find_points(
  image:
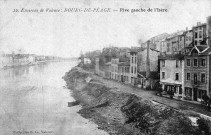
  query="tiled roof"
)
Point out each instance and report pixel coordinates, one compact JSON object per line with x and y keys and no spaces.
{"x":201,"y":48}
{"x":207,"y":51}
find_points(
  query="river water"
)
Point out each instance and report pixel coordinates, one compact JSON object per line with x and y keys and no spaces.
{"x":33,"y":100}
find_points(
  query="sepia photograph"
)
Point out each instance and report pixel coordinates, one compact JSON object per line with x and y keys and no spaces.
{"x":105,"y":67}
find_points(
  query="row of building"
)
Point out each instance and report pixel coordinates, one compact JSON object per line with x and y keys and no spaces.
{"x":180,"y":62}
{"x":20,"y":59}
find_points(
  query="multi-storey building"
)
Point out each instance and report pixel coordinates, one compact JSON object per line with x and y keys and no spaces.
{"x":124,"y":52}
{"x":197,"y":63}
{"x":188,"y":41}
{"x":173,"y":44}
{"x":181,"y":41}
{"x":124,"y":71}
{"x":197,"y":73}
{"x":155,"y":42}
{"x":114,"y":68}
{"x":199,"y":33}
{"x":133,"y":66}
{"x":163,"y":46}
{"x":171,"y":74}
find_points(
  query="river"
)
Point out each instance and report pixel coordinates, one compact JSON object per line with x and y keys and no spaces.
{"x":33,"y":100}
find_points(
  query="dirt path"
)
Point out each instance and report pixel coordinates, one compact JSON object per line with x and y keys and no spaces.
{"x":181,"y":105}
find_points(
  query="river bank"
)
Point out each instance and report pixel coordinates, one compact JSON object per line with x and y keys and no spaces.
{"x":125,"y":113}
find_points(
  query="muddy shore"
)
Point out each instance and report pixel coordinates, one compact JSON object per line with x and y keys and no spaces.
{"x":127,"y":114}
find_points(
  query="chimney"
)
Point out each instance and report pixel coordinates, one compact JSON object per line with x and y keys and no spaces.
{"x":148,"y":60}
{"x":198,"y":23}
{"x":186,"y":29}
{"x":208,"y":31}
{"x":97,"y":68}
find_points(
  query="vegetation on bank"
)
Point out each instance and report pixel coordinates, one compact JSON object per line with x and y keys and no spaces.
{"x":121,"y":113}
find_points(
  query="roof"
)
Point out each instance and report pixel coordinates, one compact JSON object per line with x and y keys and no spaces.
{"x":137,"y":49}
{"x":190,"y":45}
{"x":205,"y":50}
{"x":108,"y":63}
{"x":175,"y":34}
{"x":159,"y":37}
{"x":201,"y":48}
{"x":124,"y":63}
{"x":142,"y":74}
{"x":154,"y":50}
{"x":199,"y":25}
{"x":133,"y":51}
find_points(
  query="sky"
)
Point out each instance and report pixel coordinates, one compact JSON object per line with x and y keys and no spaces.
{"x":66,"y":34}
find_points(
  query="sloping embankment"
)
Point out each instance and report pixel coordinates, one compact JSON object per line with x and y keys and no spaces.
{"x":121,"y":113}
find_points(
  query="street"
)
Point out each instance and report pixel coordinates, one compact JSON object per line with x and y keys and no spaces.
{"x":146,"y":94}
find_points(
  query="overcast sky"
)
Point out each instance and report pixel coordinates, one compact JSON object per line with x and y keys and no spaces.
{"x":66,"y":34}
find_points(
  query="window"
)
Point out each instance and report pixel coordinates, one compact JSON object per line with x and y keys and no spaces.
{"x":177,"y":76}
{"x":163,"y":63}
{"x":195,"y":62}
{"x":135,"y":70}
{"x":177,"y":63}
{"x":132,"y":59}
{"x":201,"y":93}
{"x":135,"y":59}
{"x":200,"y":34}
{"x":186,"y":38}
{"x":196,"y":34}
{"x":203,"y":62}
{"x":168,"y":47}
{"x":195,"y":78}
{"x":163,"y":75}
{"x":203,"y":78}
{"x":188,"y":62}
{"x":180,"y":90}
{"x":195,"y":42}
{"x":131,"y":69}
{"x":188,"y":76}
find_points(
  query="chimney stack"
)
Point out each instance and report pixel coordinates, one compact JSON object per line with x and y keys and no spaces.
{"x":198,"y":23}
{"x":208,"y":31}
{"x":186,"y":28}
{"x":148,"y":60}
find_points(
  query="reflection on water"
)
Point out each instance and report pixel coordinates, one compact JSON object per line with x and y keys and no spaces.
{"x":33,"y":99}
{"x":23,"y":71}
